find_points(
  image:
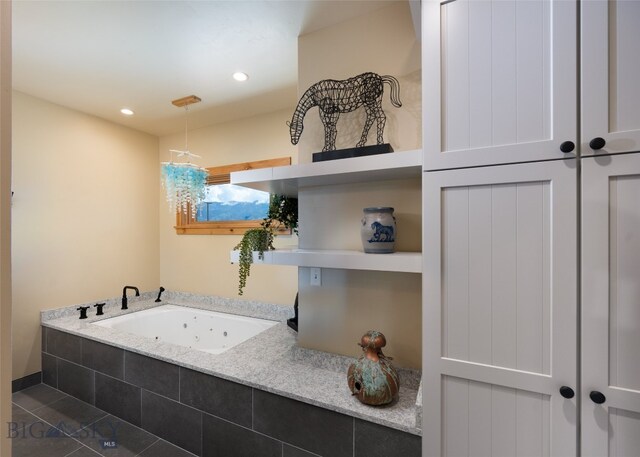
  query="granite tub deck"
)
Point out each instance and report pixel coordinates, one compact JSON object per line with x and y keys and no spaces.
{"x":271,"y":361}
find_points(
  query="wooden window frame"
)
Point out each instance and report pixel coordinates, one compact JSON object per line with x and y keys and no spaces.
{"x":187,"y":225}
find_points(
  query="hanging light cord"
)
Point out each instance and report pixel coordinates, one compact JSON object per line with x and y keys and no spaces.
{"x":186,"y":151}
{"x":186,"y":131}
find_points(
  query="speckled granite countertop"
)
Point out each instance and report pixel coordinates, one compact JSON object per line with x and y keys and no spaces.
{"x":270,"y":361}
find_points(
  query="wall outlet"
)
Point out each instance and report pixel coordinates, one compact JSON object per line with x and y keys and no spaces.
{"x":316,"y":277}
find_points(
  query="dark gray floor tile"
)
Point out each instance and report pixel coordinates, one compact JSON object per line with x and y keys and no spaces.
{"x":164,"y":449}
{"x":19,"y":419}
{"x":290,"y":451}
{"x":64,"y":345}
{"x":37,"y":396}
{"x":29,"y":426}
{"x":222,"y":398}
{"x":172,"y":421}
{"x":103,"y":358}
{"x":115,"y":438}
{"x":224,"y":439}
{"x":76,"y":380}
{"x":38,"y":443}
{"x":44,"y":447}
{"x":49,"y":370}
{"x":151,"y":374}
{"x":373,"y":440}
{"x":69,"y":414}
{"x":84,"y":452}
{"x":118,"y":398}
{"x":305,"y":426}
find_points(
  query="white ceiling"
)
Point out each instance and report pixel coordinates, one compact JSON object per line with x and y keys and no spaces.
{"x":100,"y":56}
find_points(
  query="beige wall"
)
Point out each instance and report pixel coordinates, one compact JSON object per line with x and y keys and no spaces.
{"x":5,"y":223}
{"x":334,"y":316}
{"x":85,"y":215}
{"x":200,"y":263}
{"x":350,"y":302}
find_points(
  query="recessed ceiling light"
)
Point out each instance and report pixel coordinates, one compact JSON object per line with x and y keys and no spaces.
{"x":126,"y":112}
{"x":239,"y":76}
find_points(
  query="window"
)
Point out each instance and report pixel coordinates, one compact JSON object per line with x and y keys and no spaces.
{"x":228,"y":202}
{"x":228,"y":209}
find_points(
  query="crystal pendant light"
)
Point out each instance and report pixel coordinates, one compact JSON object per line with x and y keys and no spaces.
{"x":184,"y":182}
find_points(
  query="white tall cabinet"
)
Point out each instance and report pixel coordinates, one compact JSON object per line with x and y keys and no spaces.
{"x":531,"y":315}
{"x":500,"y":310}
{"x":610,"y":72}
{"x":499,"y":82}
{"x":611,"y":305}
{"x":610,"y":228}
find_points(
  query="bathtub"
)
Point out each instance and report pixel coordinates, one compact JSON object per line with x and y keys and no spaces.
{"x":207,"y":331}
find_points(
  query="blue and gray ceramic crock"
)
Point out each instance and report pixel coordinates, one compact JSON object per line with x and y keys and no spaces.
{"x":378,"y":231}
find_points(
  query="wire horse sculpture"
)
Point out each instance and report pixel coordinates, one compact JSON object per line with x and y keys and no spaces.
{"x":333,"y":97}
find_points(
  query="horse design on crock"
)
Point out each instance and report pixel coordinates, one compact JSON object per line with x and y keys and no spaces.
{"x":334,"y":97}
{"x":381,"y":233}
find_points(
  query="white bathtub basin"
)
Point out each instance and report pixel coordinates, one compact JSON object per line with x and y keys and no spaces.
{"x":207,"y":331}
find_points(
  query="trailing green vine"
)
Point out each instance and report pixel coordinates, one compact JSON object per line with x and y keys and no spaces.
{"x":282,"y":215}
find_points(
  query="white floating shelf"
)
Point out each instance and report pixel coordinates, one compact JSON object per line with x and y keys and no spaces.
{"x":404,"y":262}
{"x":287,"y":180}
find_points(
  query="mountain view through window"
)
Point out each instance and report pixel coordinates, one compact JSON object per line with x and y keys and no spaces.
{"x":226,"y":202}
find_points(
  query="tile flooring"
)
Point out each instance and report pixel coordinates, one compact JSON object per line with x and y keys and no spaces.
{"x":50,"y":423}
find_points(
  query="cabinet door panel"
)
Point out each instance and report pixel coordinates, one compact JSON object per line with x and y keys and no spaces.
{"x":626,"y":440}
{"x":500,"y":316}
{"x":610,"y":298}
{"x":610,"y":34}
{"x":484,"y":420}
{"x":496,"y":261}
{"x":499,"y":81}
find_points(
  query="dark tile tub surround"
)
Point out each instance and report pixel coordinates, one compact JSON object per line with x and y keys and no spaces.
{"x":265,"y":397}
{"x":154,"y":375}
{"x":290,"y":451}
{"x":173,"y":421}
{"x":217,"y":417}
{"x":103,"y":358}
{"x":368,"y":442}
{"x":211,"y":395}
{"x":118,"y":398}
{"x":308,"y":427}
{"x":64,"y":345}
{"x":50,"y":370}
{"x":224,"y":438}
{"x":76,"y":380}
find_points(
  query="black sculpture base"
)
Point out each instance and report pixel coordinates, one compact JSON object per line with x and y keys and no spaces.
{"x":352,"y":152}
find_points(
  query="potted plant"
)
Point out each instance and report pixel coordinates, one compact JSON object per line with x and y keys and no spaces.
{"x":282,"y":216}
